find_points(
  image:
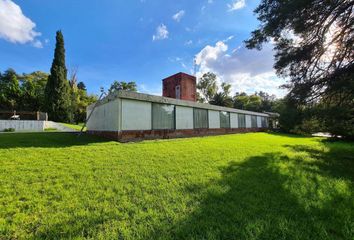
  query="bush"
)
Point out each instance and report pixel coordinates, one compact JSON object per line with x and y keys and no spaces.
{"x":9,"y":130}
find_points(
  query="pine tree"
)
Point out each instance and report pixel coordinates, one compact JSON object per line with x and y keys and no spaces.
{"x":57,"y":90}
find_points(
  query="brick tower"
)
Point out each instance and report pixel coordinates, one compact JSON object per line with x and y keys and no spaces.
{"x":180,"y":86}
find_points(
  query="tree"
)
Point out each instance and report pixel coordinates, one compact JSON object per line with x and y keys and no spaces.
{"x":57,"y":91}
{"x":223,"y":98}
{"x":10,"y":92}
{"x":207,"y":87}
{"x":314,"y":44}
{"x":127,"y":86}
{"x":249,"y":102}
{"x":81,"y":86}
{"x":267,"y":101}
{"x":33,"y":87}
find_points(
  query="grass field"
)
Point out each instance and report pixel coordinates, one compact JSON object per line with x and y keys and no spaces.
{"x":74,"y":126}
{"x":246,"y":186}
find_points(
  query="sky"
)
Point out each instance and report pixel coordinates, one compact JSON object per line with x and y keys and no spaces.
{"x":138,"y":40}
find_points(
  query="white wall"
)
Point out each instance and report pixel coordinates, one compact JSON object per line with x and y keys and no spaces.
{"x":22,"y":125}
{"x":259,"y":122}
{"x":105,"y":117}
{"x":248,"y":121}
{"x":184,"y":117}
{"x":136,"y":115}
{"x":233,"y":120}
{"x":214,"y":119}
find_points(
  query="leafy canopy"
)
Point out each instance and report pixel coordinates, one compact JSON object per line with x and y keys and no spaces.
{"x":314,"y":42}
{"x":127,"y":86}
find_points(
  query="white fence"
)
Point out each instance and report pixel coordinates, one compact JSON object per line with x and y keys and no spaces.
{"x":22,"y":125}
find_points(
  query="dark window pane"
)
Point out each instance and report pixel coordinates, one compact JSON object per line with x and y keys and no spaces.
{"x":200,"y":118}
{"x":224,"y":119}
{"x":163,"y":116}
{"x":241,"y":120}
{"x":264,"y":122}
{"x":254,"y":121}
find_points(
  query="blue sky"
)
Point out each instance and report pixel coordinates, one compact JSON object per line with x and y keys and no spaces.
{"x":138,"y":40}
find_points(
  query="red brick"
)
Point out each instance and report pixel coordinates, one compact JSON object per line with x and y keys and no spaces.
{"x":138,"y":135}
{"x":187,"y":85}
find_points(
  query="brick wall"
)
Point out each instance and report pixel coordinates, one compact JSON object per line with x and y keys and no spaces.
{"x":186,"y":83}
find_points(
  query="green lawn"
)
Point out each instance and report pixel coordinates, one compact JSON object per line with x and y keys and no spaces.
{"x":246,"y":186}
{"x":74,"y":126}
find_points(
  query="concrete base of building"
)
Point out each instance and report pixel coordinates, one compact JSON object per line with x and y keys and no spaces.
{"x":139,"y":135}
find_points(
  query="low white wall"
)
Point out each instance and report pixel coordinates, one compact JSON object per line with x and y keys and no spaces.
{"x":214,"y":119}
{"x":104,"y":117}
{"x":248,"y":121}
{"x":136,"y":115}
{"x":22,"y":125}
{"x":233,"y":120}
{"x":184,"y":117}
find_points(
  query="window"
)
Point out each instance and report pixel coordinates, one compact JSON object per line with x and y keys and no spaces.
{"x":264,"y":122}
{"x":200,"y":118}
{"x":241,"y":120}
{"x":253,"y":121}
{"x":224,"y":120}
{"x":163,"y":116}
{"x":178,"y":92}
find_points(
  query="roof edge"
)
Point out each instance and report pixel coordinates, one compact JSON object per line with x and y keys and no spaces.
{"x":164,"y":100}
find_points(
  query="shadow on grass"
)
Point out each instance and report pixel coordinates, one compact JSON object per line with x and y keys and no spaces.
{"x":257,"y":199}
{"x":271,"y":196}
{"x":46,"y":140}
{"x":333,"y":159}
{"x":288,"y":135}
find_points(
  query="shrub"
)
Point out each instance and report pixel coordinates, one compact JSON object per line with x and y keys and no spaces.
{"x":9,"y":130}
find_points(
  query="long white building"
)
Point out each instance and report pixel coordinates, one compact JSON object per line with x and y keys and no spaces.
{"x":126,"y":116}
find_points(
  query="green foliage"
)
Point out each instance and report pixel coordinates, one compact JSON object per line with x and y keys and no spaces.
{"x":57,"y":91}
{"x":240,"y":186}
{"x":207,"y":87}
{"x":258,"y":102}
{"x":32,"y":88}
{"x":336,"y":108}
{"x":9,"y":130}
{"x":81,"y":86}
{"x":290,"y":114}
{"x":10,"y":91}
{"x":223,"y":98}
{"x":127,"y":86}
{"x":314,"y":44}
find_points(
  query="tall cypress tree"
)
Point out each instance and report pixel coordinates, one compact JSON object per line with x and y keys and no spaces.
{"x":57,"y":92}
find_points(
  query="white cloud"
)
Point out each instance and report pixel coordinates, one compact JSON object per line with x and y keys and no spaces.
{"x":161,"y":33}
{"x":16,"y":27}
{"x":189,"y":42}
{"x":246,"y":70}
{"x":153,"y":90}
{"x":236,"y":5}
{"x":37,"y":44}
{"x":178,"y":16}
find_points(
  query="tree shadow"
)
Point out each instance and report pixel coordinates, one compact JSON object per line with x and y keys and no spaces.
{"x":46,"y":140}
{"x":262,"y":198}
{"x":334,"y":159}
{"x":288,"y":135}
